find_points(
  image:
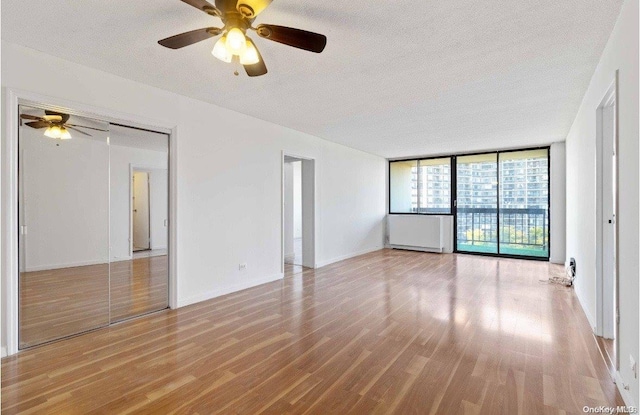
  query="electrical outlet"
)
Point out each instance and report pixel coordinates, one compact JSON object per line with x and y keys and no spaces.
{"x":632,"y":366}
{"x":242,"y":266}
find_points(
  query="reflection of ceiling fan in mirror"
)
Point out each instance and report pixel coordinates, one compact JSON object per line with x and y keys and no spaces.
{"x":234,"y":45}
{"x":56,"y":125}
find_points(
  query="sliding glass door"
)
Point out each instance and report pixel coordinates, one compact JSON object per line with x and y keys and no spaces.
{"x":524,"y":203}
{"x":502,"y":204}
{"x":477,"y":203}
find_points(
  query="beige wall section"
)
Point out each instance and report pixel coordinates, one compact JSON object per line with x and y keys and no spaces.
{"x":620,"y":54}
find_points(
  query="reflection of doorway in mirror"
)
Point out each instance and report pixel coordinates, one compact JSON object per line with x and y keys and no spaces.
{"x":148,"y":209}
{"x":141,"y":211}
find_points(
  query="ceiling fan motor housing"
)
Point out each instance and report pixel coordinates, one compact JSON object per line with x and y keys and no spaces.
{"x":246,"y":10}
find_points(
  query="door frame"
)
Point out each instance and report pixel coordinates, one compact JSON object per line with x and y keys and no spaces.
{"x":607,"y":298}
{"x":9,"y":259}
{"x":309,"y":227}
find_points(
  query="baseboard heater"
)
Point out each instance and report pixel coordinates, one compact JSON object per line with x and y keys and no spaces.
{"x":418,"y":232}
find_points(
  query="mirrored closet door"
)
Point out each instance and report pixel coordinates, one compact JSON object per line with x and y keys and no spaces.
{"x":64,"y":225}
{"x":139,"y":281}
{"x":93,"y":216}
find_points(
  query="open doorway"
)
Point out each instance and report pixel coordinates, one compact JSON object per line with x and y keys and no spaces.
{"x":607,"y":228}
{"x":298,"y":214}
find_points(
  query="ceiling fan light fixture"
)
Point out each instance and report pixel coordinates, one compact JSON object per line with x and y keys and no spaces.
{"x":236,"y":42}
{"x":65,"y":134}
{"x":220,"y":50}
{"x":235,"y":47}
{"x":250,"y":55}
{"x":53,"y":132}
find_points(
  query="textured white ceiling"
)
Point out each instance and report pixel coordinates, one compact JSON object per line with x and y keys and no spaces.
{"x":398,"y":78}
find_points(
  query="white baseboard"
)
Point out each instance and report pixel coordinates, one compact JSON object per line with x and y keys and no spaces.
{"x":626,"y":395}
{"x":122,"y":258}
{"x":69,"y":265}
{"x":3,"y":352}
{"x":324,"y":263}
{"x":592,"y":321}
{"x":417,"y":248}
{"x":289,"y":257}
{"x":243,"y":285}
{"x":557,"y":260}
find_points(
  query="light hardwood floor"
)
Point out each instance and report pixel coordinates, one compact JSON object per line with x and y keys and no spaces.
{"x":62,"y":302}
{"x":291,"y":270}
{"x":388,"y":332}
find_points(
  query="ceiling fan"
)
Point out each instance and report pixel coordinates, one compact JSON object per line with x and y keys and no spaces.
{"x":56,"y":125}
{"x":234,"y":45}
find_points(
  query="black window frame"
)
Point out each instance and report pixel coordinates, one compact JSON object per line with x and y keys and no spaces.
{"x":454,"y":195}
{"x":417,"y":160}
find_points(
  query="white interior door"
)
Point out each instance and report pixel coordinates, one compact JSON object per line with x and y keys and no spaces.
{"x":140,"y":203}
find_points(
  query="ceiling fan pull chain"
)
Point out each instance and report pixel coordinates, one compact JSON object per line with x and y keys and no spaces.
{"x":236,"y":65}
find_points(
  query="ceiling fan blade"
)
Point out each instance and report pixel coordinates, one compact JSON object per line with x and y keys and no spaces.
{"x":39,"y":124}
{"x":301,"y":39}
{"x":84,"y":126}
{"x":205,"y":6}
{"x":257,"y":69}
{"x":189,"y":38}
{"x":31,"y":117}
{"x":75,"y":129}
{"x":251,"y":8}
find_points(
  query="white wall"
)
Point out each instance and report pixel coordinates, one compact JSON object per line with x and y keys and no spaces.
{"x":292,"y":206}
{"x":288,"y":211}
{"x":620,"y":54}
{"x":297,"y":200}
{"x":558,"y":187}
{"x":65,"y":198}
{"x":228,"y":177}
{"x":155,"y":162}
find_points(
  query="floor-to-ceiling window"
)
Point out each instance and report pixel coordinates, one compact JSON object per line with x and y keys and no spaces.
{"x":524,"y":202}
{"x":477,"y":203}
{"x":500,"y":200}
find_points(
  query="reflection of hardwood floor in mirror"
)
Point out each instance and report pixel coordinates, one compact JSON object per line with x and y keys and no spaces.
{"x":63,"y":302}
{"x":139,"y":286}
{"x":390,"y":332}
